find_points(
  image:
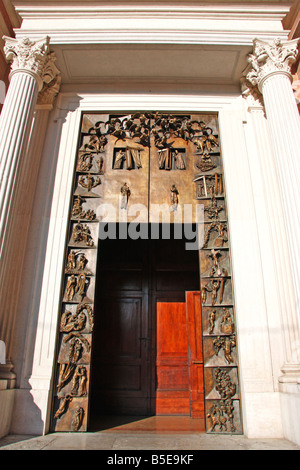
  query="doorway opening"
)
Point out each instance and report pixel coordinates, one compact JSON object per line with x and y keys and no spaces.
{"x":141,"y":357}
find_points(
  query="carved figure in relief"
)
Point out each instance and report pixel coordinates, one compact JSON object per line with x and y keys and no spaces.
{"x":164,"y":159}
{"x":179,"y":161}
{"x":79,"y":382}
{"x":229,"y":343}
{"x":81,"y":233}
{"x":227,"y":324}
{"x":77,"y":341}
{"x":221,"y":228}
{"x":212,"y":286}
{"x":114,"y":126}
{"x":144,"y":137}
{"x":76,"y":286}
{"x":64,"y":403}
{"x":221,"y":239}
{"x":174,"y":197}
{"x":183,"y":127}
{"x":161,"y":141}
{"x":215,"y":286}
{"x":217,"y":418}
{"x":204,"y":291}
{"x":82,"y":262}
{"x":81,"y":286}
{"x":227,"y":389}
{"x":78,"y":418}
{"x":76,"y":349}
{"x":76,"y":262}
{"x":133,"y":158}
{"x":85,"y":162}
{"x":226,"y":343}
{"x":89,"y":182}
{"x":213,"y":210}
{"x":100,"y":163}
{"x":71,"y":322}
{"x":65,"y":373}
{"x":211,"y":321}
{"x":134,"y":126}
{"x":97,"y":140}
{"x":77,"y":321}
{"x":66,"y":370}
{"x":96,"y":143}
{"x":77,"y":207}
{"x":70,"y":288}
{"x":120,"y":157}
{"x":125,"y":193}
{"x":228,"y":408}
{"x":71,"y":264}
{"x":78,"y":212}
{"x":205,"y":163}
{"x":205,"y":140}
{"x":216,"y":268}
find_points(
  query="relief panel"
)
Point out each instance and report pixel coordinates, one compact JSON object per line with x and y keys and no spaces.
{"x":151,"y":166}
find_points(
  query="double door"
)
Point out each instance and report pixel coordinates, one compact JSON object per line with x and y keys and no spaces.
{"x":144,"y":361}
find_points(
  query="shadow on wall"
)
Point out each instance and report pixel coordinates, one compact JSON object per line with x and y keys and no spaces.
{"x":27,"y":414}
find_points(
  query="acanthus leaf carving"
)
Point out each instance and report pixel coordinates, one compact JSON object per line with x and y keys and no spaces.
{"x":268,"y":58}
{"x":27,"y":55}
{"x":35,"y":58}
{"x":51,"y":81}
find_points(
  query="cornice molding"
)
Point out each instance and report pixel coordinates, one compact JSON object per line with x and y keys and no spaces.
{"x":135,"y":36}
{"x":26,"y":8}
{"x":152,"y":22}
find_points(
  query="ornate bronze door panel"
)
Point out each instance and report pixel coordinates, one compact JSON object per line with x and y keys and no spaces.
{"x":147,"y":168}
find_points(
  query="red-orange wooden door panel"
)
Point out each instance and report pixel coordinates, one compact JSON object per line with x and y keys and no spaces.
{"x":195,"y":354}
{"x":172,"y":374}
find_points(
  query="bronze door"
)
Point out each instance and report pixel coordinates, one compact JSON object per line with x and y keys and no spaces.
{"x":146,"y":168}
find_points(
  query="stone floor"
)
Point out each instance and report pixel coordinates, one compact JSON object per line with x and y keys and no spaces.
{"x":117,"y":442}
{"x":151,"y":434}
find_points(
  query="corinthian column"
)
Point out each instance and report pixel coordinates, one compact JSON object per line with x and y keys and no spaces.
{"x":28,"y":59}
{"x":31,"y":73}
{"x":270,"y":70}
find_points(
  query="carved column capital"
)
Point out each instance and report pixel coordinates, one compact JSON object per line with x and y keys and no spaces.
{"x":51,"y":81}
{"x":270,"y":58}
{"x":27,"y":56}
{"x":251,"y":94}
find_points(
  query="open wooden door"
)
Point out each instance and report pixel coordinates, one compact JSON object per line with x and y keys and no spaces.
{"x":179,"y":360}
{"x":195,"y":354}
{"x":172,"y":375}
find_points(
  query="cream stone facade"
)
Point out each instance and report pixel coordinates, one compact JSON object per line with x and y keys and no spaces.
{"x":233,"y":59}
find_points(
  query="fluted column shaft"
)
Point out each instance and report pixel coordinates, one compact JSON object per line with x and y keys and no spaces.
{"x":29,"y":63}
{"x":284,"y":124}
{"x":271,"y":72}
{"x":15,"y":121}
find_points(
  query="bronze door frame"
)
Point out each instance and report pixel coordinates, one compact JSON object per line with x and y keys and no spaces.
{"x":186,"y":159}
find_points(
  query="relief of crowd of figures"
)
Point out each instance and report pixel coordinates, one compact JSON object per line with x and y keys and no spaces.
{"x":222,"y":402}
